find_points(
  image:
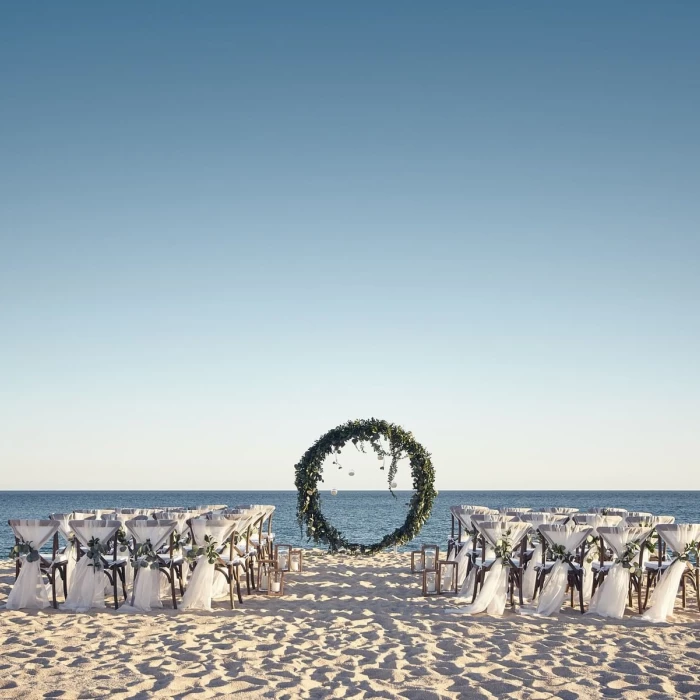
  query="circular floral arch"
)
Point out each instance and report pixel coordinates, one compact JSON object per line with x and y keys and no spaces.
{"x":388,"y":441}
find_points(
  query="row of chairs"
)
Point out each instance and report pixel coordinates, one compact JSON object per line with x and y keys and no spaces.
{"x":115,"y":548}
{"x":543,"y":554}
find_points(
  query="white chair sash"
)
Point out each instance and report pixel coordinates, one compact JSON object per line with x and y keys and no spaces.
{"x":595,"y":520}
{"x":536,"y":519}
{"x":29,"y":590}
{"x":663,"y":599}
{"x":492,"y":597}
{"x":70,"y":552}
{"x":146,"y":592}
{"x":88,"y":587}
{"x":200,"y":589}
{"x":463,"y":515}
{"x":570,"y":537}
{"x":609,"y":598}
{"x":560,"y":510}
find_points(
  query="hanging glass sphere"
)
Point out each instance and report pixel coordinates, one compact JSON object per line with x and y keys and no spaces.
{"x":351,"y":473}
{"x":393,"y":484}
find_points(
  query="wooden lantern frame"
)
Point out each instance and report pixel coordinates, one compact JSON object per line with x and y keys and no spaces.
{"x":428,"y":574}
{"x":426,"y":548}
{"x":297,"y":552}
{"x":441,"y":568}
{"x":417,"y":568}
{"x":265,"y":566}
{"x":276,"y":575}
{"x":288,"y":548}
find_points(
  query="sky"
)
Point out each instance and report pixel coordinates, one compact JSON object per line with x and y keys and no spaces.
{"x":228,"y":228}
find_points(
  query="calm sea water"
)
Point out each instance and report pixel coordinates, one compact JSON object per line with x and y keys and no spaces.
{"x":363,"y":516}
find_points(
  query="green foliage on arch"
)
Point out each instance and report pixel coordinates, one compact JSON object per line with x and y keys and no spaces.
{"x":399,"y":444}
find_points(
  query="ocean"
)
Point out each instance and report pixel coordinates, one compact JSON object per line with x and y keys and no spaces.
{"x":362,"y":516}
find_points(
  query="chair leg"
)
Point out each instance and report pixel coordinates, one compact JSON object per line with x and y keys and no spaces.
{"x":114,"y":589}
{"x":538,"y":585}
{"x":252,"y":572}
{"x":172,"y":585}
{"x":238,"y":585}
{"x":230,"y":588}
{"x":646,"y":593}
{"x":53,"y":588}
{"x":683,"y":591}
{"x":579,"y":582}
{"x":180,"y":579}
{"x":512,"y":588}
{"x":639,"y":593}
{"x":476,"y":584}
{"x":122,"y":578}
{"x":521,"y":576}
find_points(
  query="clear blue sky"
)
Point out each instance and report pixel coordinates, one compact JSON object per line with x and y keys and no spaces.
{"x":228,"y":227}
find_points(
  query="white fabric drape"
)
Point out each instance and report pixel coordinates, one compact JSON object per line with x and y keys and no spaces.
{"x":609,"y":511}
{"x":70,"y":552}
{"x":535,"y":520}
{"x":463,"y":514}
{"x":88,"y":587}
{"x":466,"y":586}
{"x":147,"y":581}
{"x":609,"y":599}
{"x":509,"y":510}
{"x":570,"y":537}
{"x":595,"y":520}
{"x":664,"y":596}
{"x":29,"y":590}
{"x":492,"y":597}
{"x":561,"y":511}
{"x":201,"y":588}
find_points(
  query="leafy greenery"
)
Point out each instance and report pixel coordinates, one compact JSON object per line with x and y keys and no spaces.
{"x":386,"y":440}
{"x":95,"y":552}
{"x":122,"y":540}
{"x":504,"y":547}
{"x":208,"y":550}
{"x":692,"y":550}
{"x":24,"y":549}
{"x":627,"y":558}
{"x":145,"y":556}
{"x":559,"y":551}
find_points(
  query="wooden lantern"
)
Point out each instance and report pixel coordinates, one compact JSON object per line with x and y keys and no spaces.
{"x":447,"y":577}
{"x":431,"y":554}
{"x":430,"y":582}
{"x":296,"y":560}
{"x":283,"y":556}
{"x":265,"y":566}
{"x":417,"y":562}
{"x":276,"y":580}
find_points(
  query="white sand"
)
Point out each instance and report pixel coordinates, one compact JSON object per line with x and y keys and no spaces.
{"x":346,"y":628}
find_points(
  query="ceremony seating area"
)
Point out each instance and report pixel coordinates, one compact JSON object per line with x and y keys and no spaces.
{"x":609,"y":561}
{"x":139,"y":557}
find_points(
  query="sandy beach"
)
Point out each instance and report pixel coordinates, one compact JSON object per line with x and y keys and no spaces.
{"x":347,"y":627}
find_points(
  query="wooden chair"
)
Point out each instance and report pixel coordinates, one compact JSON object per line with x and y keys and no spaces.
{"x":157,"y":532}
{"x":37,"y":532}
{"x":114,"y":567}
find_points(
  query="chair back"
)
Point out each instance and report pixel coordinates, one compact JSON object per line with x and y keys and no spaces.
{"x":36,"y":532}
{"x":560,"y":510}
{"x":157,"y":531}
{"x":220,"y":530}
{"x":542,"y":518}
{"x":85,"y":530}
